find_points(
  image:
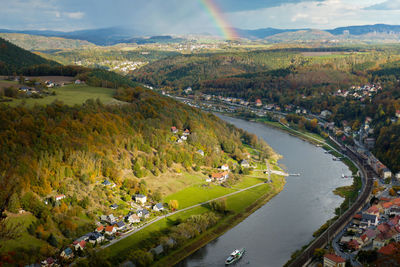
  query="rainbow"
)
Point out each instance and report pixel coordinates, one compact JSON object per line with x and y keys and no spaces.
{"x":220,"y":21}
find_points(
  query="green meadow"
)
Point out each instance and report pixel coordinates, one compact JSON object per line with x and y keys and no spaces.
{"x":71,"y":95}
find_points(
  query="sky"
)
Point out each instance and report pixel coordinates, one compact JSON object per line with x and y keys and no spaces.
{"x":190,"y":16}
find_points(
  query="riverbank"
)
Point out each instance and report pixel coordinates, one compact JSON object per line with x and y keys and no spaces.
{"x":349,"y":193}
{"x":222,"y":227}
{"x":242,"y":198}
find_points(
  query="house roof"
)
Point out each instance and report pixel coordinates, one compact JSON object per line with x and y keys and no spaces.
{"x":120,"y":224}
{"x":388,"y":249}
{"x":100,"y":228}
{"x":145,"y":212}
{"x":396,"y":201}
{"x":353,"y":244}
{"x":387,"y":205}
{"x":370,"y":233}
{"x":219,"y":174}
{"x":106,"y":182}
{"x":373,"y":209}
{"x":357,"y":216}
{"x":82,"y":244}
{"x":109,"y":228}
{"x":383,"y":227}
{"x":364,"y":237}
{"x":58,"y":196}
{"x":368,"y":217}
{"x":114,"y":206}
{"x":140,"y":196}
{"x":68,"y":251}
{"x":134,"y":216}
{"x":159,"y":205}
{"x":335,"y":258}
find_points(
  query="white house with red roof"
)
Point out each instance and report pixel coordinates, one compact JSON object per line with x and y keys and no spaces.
{"x":174,"y":129}
{"x":59,"y":197}
{"x":333,"y":260}
{"x":110,"y":230}
{"x":79,"y":245}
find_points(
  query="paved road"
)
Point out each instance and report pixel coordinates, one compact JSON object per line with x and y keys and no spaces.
{"x":175,"y":212}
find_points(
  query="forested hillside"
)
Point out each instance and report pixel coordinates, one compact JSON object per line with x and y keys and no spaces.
{"x":35,"y":42}
{"x":56,"y":149}
{"x":13,"y":58}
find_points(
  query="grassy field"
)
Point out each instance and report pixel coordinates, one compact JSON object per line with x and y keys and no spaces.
{"x":237,"y":204}
{"x":197,"y":194}
{"x":25,"y":240}
{"x":169,"y":183}
{"x":71,"y":95}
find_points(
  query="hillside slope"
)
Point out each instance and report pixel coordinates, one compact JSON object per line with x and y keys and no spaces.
{"x":34,"y":42}
{"x":13,"y":58}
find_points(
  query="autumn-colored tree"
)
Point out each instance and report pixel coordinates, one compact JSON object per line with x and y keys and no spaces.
{"x":173,"y":204}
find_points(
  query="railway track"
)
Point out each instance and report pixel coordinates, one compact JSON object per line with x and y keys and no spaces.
{"x":367,"y":175}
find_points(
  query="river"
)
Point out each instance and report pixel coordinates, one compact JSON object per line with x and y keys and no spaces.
{"x":287,"y":222}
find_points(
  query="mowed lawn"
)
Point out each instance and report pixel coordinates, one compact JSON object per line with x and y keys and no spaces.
{"x":71,"y":95}
{"x":197,"y":194}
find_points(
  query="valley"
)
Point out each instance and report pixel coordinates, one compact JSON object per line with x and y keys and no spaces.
{"x":121,"y":147}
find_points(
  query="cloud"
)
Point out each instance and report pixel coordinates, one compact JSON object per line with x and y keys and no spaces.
{"x":243,"y":5}
{"x":325,"y":14}
{"x":387,"y":5}
{"x":74,"y":15}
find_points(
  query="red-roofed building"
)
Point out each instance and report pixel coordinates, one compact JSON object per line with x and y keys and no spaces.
{"x":387,"y":205}
{"x":395,"y":220}
{"x":384,"y":199}
{"x":357,"y":216}
{"x":110,"y":230}
{"x":59,"y":197}
{"x":221,"y":176}
{"x":370,"y":233}
{"x":383,"y":228}
{"x":186,"y":132}
{"x":80,"y":245}
{"x":388,"y":249}
{"x":100,"y":229}
{"x":353,"y":244}
{"x":374,"y":210}
{"x":333,"y":260}
{"x":364,"y":238}
{"x":396,"y":201}
{"x":173,"y":129}
{"x":258,"y":103}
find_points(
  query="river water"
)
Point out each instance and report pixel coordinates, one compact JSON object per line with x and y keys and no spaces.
{"x":287,"y":222}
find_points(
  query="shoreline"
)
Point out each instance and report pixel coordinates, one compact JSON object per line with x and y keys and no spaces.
{"x":352,"y":167}
{"x":221,"y":228}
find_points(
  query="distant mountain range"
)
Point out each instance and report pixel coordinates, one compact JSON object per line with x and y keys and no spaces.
{"x":115,"y":35}
{"x":350,"y":30}
{"x":104,"y":36}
